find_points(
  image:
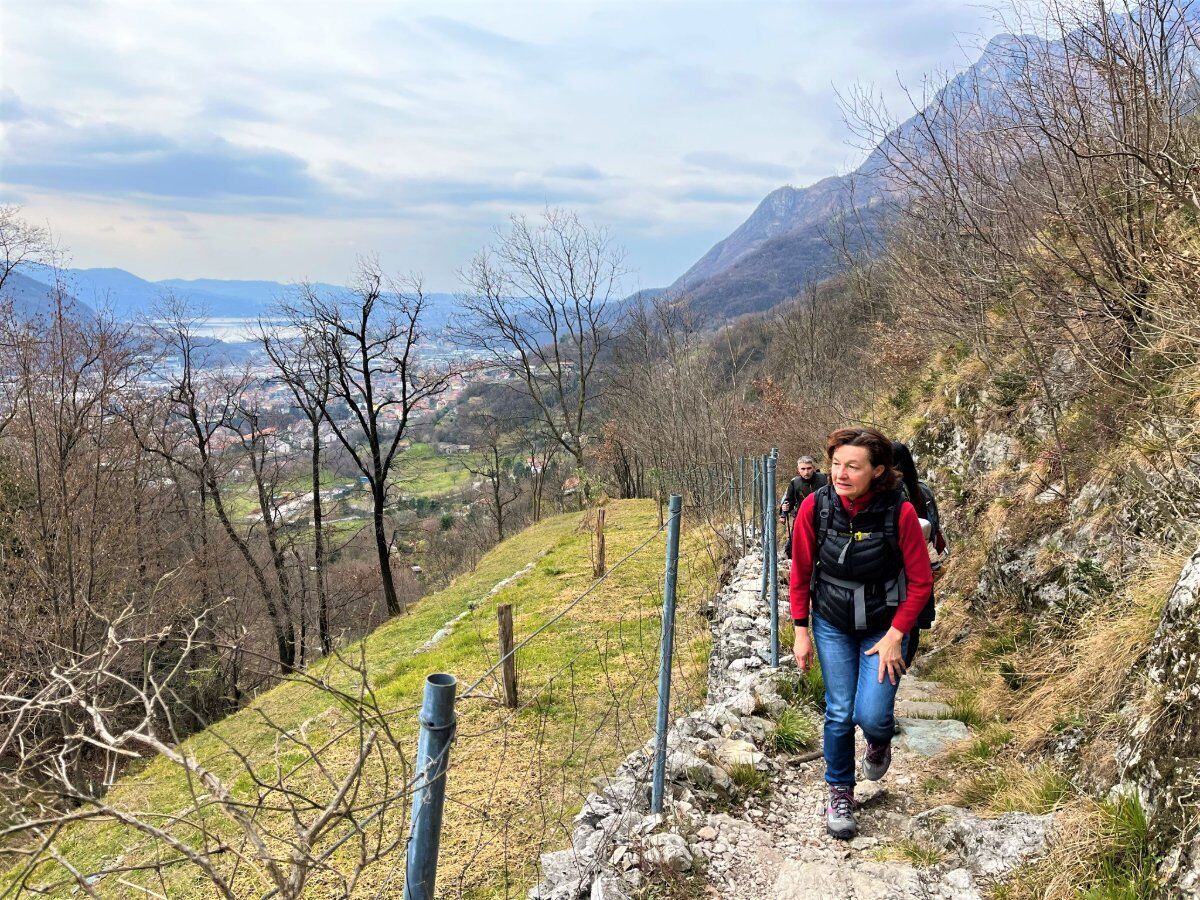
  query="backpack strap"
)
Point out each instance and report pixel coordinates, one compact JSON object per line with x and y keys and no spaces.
{"x":891,"y":522}
{"x":822,"y":513}
{"x":935,"y":518}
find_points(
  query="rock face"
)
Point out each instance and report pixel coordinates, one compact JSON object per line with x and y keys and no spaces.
{"x":988,"y":847}
{"x":1161,"y":756}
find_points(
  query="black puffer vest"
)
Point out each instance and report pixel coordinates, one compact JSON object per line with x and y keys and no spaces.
{"x":858,"y":569}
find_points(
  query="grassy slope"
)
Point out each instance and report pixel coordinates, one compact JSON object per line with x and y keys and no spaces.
{"x":529,"y":776}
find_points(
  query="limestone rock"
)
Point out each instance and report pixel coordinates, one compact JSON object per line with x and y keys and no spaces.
{"x":608,"y":887}
{"x":990,"y":847}
{"x":819,"y":879}
{"x":668,"y":852}
{"x":929,"y":737}
{"x":736,"y":753}
{"x":1157,"y":763}
{"x":566,"y":875}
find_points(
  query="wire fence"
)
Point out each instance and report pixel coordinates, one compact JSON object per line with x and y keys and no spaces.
{"x":327,"y":808}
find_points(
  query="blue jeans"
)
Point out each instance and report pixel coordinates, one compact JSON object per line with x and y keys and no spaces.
{"x":853,"y":696}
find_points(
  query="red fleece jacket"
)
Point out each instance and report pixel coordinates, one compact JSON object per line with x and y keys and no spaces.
{"x":912,"y":545}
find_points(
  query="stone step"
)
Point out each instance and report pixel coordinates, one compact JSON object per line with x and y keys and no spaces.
{"x":923,"y":709}
{"x":917,"y":689}
{"x":929,"y":737}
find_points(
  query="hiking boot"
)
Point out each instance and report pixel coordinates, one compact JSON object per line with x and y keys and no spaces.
{"x":839,"y":814}
{"x":876,"y":760}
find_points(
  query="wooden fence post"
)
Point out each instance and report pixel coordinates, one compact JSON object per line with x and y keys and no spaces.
{"x":508,"y":669}
{"x":599,"y":567}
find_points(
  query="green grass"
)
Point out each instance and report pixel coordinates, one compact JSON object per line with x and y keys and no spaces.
{"x":805,"y":688}
{"x":512,"y":788}
{"x":1125,"y":869}
{"x":1101,"y":851}
{"x":1040,"y":789}
{"x":794,"y":731}
{"x":750,"y":779}
{"x":422,"y":472}
{"x":914,"y":852}
{"x":965,"y":707}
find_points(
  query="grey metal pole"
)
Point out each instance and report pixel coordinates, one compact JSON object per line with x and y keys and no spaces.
{"x":774,"y":557}
{"x":755,"y":497}
{"x":667,"y":648}
{"x":765,"y":524}
{"x":742,"y":499}
{"x":732,"y":498}
{"x":429,"y":793}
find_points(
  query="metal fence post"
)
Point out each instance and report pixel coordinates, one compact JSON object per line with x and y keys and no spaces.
{"x":741,"y":498}
{"x":429,"y":785}
{"x":667,"y":648}
{"x":755,"y":497}
{"x":732,"y":499}
{"x":774,"y":556}
{"x":766,"y":522}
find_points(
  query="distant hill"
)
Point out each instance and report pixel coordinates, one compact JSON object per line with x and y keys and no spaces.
{"x":130,"y":297}
{"x":785,"y":241}
{"x":31,"y":298}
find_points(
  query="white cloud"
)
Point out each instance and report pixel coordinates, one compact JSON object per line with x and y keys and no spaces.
{"x":304,"y":129}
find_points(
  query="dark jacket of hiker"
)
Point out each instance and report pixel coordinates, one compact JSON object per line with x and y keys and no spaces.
{"x":797,"y":490}
{"x":800,"y":488}
{"x":857,"y":550}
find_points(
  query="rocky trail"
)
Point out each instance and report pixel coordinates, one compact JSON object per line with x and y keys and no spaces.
{"x":716,"y":838}
{"x":774,"y":846}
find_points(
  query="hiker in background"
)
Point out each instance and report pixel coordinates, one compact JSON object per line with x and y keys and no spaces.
{"x":861,"y":567}
{"x":921,"y":496}
{"x":807,"y":480}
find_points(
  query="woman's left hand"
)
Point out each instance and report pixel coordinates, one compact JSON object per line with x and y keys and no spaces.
{"x":891,"y":659}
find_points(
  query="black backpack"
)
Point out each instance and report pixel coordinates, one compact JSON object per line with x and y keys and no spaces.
{"x":938,"y":539}
{"x":868,"y":598}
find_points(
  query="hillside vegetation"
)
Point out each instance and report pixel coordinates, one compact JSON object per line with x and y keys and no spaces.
{"x":587,"y":696}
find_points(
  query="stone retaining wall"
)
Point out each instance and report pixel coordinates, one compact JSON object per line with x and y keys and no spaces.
{"x":615,"y":838}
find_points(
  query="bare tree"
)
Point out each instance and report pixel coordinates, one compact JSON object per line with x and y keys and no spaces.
{"x":204,"y":412}
{"x":495,"y":467}
{"x":371,"y":340}
{"x":277,"y":820}
{"x":21,"y":243}
{"x":541,"y":304}
{"x":298,"y":351}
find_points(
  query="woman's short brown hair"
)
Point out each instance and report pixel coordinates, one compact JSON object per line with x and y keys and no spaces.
{"x":879,"y":451}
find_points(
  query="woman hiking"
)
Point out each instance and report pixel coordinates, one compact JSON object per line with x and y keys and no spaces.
{"x":860,"y":566}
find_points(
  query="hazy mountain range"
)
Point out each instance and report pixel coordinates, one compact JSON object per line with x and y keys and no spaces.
{"x":786,"y":242}
{"x":127,"y":296}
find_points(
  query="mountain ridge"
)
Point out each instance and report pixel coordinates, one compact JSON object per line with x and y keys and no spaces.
{"x":784,"y":243}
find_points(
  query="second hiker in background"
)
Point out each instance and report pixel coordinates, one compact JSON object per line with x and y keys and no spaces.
{"x":808,"y":479}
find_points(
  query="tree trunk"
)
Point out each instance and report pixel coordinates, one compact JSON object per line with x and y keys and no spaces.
{"x":319,"y":541}
{"x":394,"y":607}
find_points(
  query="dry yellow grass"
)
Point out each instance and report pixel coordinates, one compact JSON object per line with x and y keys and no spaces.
{"x":1088,"y":673}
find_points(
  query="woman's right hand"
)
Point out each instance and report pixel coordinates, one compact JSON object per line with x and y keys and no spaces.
{"x":803,"y":649}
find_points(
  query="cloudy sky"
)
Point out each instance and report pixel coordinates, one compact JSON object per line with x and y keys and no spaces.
{"x":279,"y":140}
